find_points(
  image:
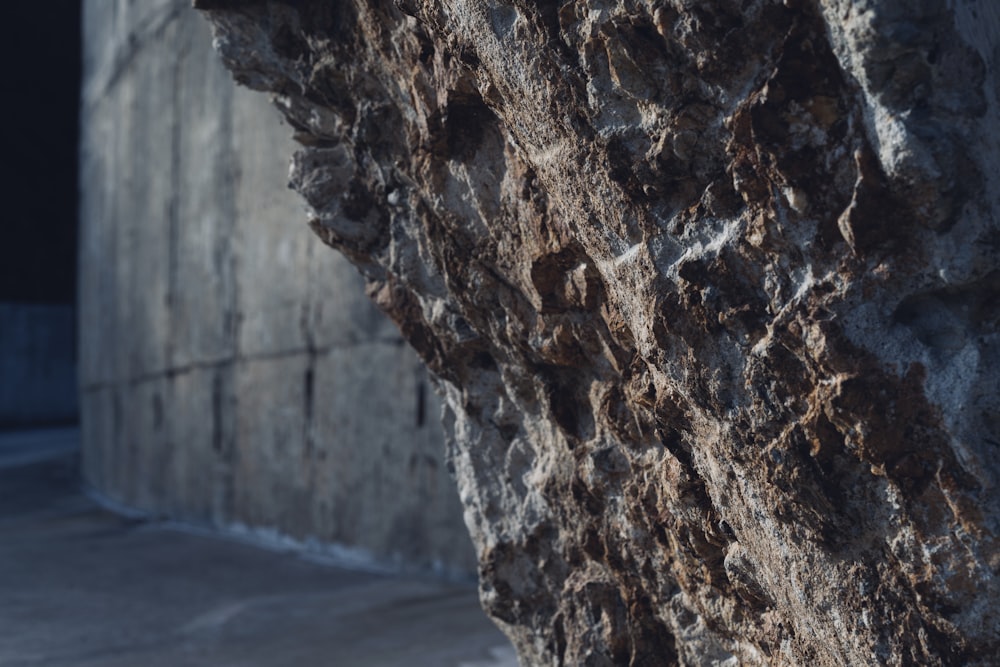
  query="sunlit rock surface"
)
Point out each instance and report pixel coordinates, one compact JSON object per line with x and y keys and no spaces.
{"x":711,"y":292}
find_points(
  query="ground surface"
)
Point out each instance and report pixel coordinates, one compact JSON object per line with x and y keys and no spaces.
{"x":82,"y":587}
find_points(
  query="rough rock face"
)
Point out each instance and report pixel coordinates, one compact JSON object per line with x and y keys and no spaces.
{"x":711,"y":289}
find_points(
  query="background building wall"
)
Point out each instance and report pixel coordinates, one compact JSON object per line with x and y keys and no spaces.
{"x":37,"y":364}
{"x":232,"y":370}
{"x":38,"y":133}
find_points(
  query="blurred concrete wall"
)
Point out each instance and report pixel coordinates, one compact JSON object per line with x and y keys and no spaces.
{"x":37,"y":364}
{"x":232,"y":370}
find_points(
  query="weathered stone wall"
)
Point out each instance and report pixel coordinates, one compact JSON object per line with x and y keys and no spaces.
{"x":232,"y":370}
{"x":712,"y":289}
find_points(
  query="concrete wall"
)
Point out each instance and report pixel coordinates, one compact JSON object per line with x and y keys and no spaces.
{"x":231,"y":369}
{"x":37,"y":364}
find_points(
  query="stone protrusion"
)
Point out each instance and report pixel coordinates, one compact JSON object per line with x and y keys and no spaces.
{"x":709,"y":290}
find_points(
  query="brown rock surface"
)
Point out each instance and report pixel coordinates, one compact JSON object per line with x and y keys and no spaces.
{"x":711,"y":290}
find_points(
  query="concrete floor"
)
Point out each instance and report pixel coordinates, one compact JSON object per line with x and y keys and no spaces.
{"x":82,"y":587}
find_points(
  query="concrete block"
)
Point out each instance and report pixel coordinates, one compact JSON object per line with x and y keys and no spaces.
{"x":273,"y":243}
{"x":203,"y":317}
{"x":97,"y":295}
{"x":340,"y":313}
{"x":273,"y":460}
{"x":144,"y":202}
{"x":233,"y":371}
{"x":379,"y":438}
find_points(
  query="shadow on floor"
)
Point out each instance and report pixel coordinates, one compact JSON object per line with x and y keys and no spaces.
{"x":81,"y":587}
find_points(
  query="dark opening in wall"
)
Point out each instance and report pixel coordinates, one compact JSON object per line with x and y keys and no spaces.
{"x":41,"y":56}
{"x":41,"y":45}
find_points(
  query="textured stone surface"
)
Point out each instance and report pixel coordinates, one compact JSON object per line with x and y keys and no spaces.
{"x":711,"y":290}
{"x":232,"y":371}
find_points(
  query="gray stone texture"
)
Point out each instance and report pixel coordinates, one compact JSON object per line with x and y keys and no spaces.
{"x":231,"y":369}
{"x":712,"y":289}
